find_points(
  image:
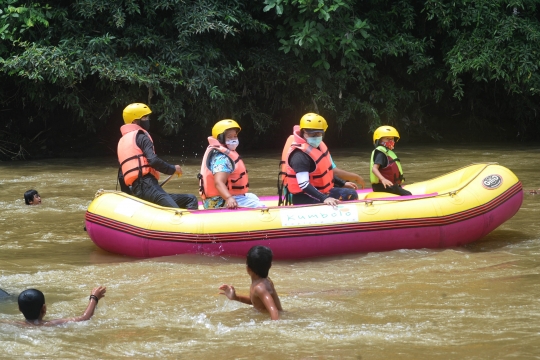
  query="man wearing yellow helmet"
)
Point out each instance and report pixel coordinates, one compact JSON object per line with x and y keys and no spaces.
{"x":223,"y":180}
{"x":308,"y":171}
{"x":386,"y":173}
{"x":139,"y":164}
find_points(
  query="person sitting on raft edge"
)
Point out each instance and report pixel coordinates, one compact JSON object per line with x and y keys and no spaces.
{"x":139,"y":164}
{"x":223,"y":180}
{"x":309,"y":174}
{"x":385,"y":170}
{"x":32,"y":306}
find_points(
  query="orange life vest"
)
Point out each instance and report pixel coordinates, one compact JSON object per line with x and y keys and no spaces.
{"x":323,"y":176}
{"x":237,"y":183}
{"x":131,"y":158}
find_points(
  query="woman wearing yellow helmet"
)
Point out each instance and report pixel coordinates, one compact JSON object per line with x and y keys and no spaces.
{"x":386,"y":173}
{"x":223,"y":180}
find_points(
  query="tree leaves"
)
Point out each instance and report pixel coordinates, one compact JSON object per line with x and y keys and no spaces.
{"x":198,"y":61}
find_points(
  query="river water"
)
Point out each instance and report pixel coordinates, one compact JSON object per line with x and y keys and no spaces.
{"x":481,"y":301}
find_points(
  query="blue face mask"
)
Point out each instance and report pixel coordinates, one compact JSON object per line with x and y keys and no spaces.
{"x":314,"y":141}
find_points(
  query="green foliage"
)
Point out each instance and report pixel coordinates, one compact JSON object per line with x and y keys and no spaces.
{"x":175,"y":55}
{"x":418,"y":65}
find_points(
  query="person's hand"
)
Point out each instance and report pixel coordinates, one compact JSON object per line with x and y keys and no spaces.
{"x":178,"y":170}
{"x":331,"y":201}
{"x":360,"y":181}
{"x":231,"y":203}
{"x":350,"y":185}
{"x":99,"y":291}
{"x":386,"y":183}
{"x":228,"y":291}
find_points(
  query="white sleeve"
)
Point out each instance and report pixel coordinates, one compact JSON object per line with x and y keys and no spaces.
{"x":303,"y":179}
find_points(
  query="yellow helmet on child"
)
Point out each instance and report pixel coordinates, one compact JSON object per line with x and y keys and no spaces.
{"x":135,"y":111}
{"x":221,"y":126}
{"x":313,"y":121}
{"x":385,"y":131}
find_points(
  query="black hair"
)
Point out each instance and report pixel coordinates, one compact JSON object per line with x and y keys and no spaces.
{"x":31,"y":302}
{"x":220,"y":138}
{"x":259,"y":260}
{"x":29,"y":196}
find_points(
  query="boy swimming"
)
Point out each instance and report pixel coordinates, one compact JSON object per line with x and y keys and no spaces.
{"x":31,"y":197}
{"x":262,"y":294}
{"x":32,"y":305}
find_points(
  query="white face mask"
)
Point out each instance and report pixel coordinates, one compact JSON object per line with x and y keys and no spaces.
{"x":232,"y":144}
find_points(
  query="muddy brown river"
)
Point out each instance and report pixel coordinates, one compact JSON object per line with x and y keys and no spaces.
{"x":481,"y":301}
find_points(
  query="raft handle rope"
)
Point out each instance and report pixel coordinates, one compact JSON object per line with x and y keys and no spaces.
{"x":121,"y":193}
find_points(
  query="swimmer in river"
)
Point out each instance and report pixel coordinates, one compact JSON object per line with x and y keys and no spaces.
{"x":262,"y":294}
{"x":32,"y":305}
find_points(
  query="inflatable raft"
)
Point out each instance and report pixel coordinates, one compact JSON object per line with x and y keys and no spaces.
{"x":450,"y":210}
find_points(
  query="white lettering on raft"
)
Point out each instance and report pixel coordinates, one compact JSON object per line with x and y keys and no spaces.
{"x":318,"y":215}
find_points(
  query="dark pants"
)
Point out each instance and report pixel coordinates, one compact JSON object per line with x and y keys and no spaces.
{"x":147,"y":188}
{"x":342,"y":194}
{"x":395,"y":189}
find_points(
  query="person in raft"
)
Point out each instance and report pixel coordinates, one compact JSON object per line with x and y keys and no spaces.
{"x":350,"y":177}
{"x":33,"y":307}
{"x":386,"y":173}
{"x":223,"y":180}
{"x":31,"y":197}
{"x":139,"y":164}
{"x":262,"y":294}
{"x":309,"y":174}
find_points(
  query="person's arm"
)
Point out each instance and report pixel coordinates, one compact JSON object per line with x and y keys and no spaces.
{"x":275,"y":296}
{"x":97,"y":293}
{"x":220,"y":180}
{"x":144,"y":143}
{"x":382,"y":179}
{"x":268,"y":300}
{"x":221,"y":167}
{"x":349,"y":177}
{"x":339,"y":182}
{"x":230,"y":292}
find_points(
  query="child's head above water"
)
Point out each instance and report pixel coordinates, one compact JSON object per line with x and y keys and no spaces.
{"x":259,"y":260}
{"x":31,"y":302}
{"x":31,"y":197}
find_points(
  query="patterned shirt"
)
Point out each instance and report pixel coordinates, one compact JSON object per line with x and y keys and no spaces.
{"x":218,"y":163}
{"x":221,"y":163}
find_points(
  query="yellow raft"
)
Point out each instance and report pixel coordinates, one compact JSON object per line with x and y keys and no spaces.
{"x":450,"y":210}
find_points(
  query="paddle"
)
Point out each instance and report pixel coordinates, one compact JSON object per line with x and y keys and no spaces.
{"x":167,"y":179}
{"x":3,"y":294}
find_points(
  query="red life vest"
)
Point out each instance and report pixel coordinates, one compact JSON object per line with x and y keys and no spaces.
{"x":322,"y":178}
{"x":237,"y":183}
{"x":131,"y":158}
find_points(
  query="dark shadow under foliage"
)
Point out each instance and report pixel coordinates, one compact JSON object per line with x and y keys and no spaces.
{"x":457,"y":71}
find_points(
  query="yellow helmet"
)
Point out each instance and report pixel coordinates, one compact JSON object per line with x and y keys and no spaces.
{"x":383,"y":131}
{"x":313,"y":121}
{"x":223,"y":125}
{"x":135,"y":111}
